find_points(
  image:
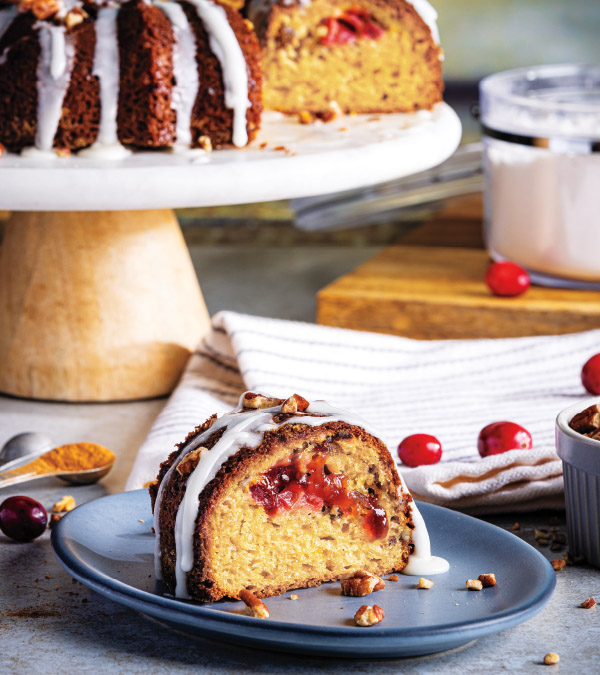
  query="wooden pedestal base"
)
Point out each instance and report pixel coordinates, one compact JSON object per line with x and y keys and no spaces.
{"x":98,"y":306}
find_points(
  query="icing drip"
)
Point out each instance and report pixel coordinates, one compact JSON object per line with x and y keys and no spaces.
{"x":57,"y":55}
{"x":106,"y":69}
{"x":185,"y":70}
{"x":6,"y":18}
{"x":246,"y":429}
{"x":226,"y":48}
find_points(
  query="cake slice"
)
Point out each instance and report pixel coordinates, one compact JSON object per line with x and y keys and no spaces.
{"x":278,"y":495}
{"x":361,"y":56}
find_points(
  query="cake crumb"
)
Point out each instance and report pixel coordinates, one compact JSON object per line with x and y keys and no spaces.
{"x":263,"y":145}
{"x":425,"y":583}
{"x":393,"y":577}
{"x":588,"y":604}
{"x":140,"y":520}
{"x":551,"y":659}
{"x":48,"y":576}
{"x":293,"y":596}
{"x":474,"y":584}
{"x":558,"y":564}
{"x":516,"y":527}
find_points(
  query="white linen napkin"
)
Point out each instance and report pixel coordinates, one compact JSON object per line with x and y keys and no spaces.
{"x":448,"y":388}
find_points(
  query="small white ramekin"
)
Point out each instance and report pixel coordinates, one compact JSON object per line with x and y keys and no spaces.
{"x":581,"y":470}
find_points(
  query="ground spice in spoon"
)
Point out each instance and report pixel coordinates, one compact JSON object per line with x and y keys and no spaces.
{"x":70,"y":457}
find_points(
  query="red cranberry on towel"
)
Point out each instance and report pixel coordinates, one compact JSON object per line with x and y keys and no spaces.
{"x":420,"y":449}
{"x":590,"y":375}
{"x":500,"y":437}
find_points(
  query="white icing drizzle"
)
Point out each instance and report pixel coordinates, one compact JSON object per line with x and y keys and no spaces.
{"x":106,"y":69}
{"x":57,"y":56}
{"x":185,"y":69}
{"x":246,"y":429}
{"x":226,"y":48}
{"x":7,"y":16}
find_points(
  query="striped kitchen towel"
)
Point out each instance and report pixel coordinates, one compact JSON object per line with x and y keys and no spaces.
{"x":448,"y":388}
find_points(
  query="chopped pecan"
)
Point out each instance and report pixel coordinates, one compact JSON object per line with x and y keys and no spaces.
{"x":558,"y":564}
{"x":589,"y":603}
{"x":190,"y":461}
{"x":361,"y":584}
{"x":254,"y":606}
{"x":54,"y":518}
{"x":487,"y":580}
{"x":368,"y":616}
{"x":253,"y":401}
{"x":474,"y":584}
{"x":67,"y":503}
{"x":425,"y":583}
{"x":294,"y":404}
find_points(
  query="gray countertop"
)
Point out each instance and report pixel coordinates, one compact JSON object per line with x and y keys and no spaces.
{"x":50,"y":623}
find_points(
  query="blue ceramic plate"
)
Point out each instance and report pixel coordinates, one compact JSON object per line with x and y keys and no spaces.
{"x":105,"y":546}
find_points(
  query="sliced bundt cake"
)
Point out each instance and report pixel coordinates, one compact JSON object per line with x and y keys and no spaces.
{"x":362,"y":56}
{"x":139,"y":74}
{"x":278,"y":495}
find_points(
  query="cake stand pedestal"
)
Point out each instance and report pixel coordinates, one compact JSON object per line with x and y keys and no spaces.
{"x":99,"y":300}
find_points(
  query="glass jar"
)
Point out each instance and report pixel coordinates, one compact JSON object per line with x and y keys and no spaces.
{"x":541,"y":130}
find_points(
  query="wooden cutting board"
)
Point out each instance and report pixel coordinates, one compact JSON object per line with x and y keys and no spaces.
{"x":432,"y":292}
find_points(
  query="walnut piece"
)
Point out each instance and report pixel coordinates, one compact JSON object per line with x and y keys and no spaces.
{"x":487,"y":580}
{"x":368,"y":616}
{"x":254,"y":606}
{"x":551,"y":659}
{"x":558,"y":564}
{"x":425,"y":583}
{"x":361,"y":584}
{"x":589,"y":603}
{"x":67,"y":503}
{"x":253,"y":401}
{"x":474,"y":584}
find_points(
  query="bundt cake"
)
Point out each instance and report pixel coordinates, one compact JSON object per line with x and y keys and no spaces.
{"x":359,"y":56}
{"x":278,"y":495}
{"x":108,"y":74}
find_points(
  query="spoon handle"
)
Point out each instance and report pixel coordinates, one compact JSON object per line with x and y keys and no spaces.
{"x":20,"y":475}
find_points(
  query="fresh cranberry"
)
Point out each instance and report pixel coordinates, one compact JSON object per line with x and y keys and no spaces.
{"x":500,"y":437}
{"x":420,"y":449}
{"x":507,"y":279}
{"x":22,"y":518}
{"x":590,"y":374}
{"x":349,"y":27}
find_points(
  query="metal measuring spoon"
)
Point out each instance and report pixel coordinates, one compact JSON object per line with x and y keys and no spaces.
{"x":29,"y":444}
{"x":17,"y":472}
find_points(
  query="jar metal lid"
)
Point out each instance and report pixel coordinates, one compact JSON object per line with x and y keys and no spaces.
{"x":551,"y":106}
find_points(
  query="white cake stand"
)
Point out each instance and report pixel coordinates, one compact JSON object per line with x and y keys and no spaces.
{"x":98,"y":297}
